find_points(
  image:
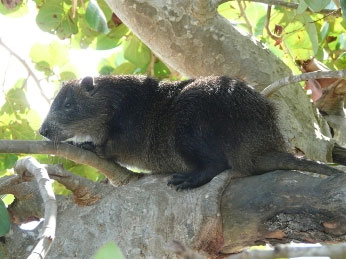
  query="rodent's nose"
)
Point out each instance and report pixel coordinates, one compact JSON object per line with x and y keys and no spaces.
{"x":43,"y":130}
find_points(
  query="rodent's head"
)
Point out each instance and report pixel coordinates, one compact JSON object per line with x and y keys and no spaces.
{"x":78,"y":113}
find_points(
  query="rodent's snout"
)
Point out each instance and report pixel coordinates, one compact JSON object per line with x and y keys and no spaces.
{"x":44,"y":131}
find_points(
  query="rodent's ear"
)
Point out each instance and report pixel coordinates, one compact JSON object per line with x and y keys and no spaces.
{"x":87,"y":83}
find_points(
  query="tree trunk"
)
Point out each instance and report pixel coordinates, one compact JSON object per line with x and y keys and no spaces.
{"x":144,"y":217}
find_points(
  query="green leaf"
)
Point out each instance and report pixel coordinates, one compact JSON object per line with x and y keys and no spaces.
{"x":95,"y":17}
{"x":297,"y":41}
{"x":113,"y":39}
{"x":161,"y":70}
{"x":343,"y":8}
{"x":137,"y":53}
{"x":16,"y":101}
{"x":302,"y":7}
{"x":54,"y":17}
{"x":4,"y":219}
{"x":260,"y":25}
{"x":109,"y":251}
{"x":67,"y":75}
{"x":67,"y":27}
{"x":310,"y":29}
{"x":7,"y":161}
{"x":8,"y":199}
{"x":50,"y":15}
{"x":317,"y":5}
{"x":324,"y":31}
{"x":124,"y":69}
{"x":49,"y":56}
{"x":60,"y":189}
{"x":85,"y":171}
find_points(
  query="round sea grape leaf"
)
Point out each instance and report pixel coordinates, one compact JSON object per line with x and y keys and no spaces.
{"x":67,"y":75}
{"x":48,"y":56}
{"x":161,"y":70}
{"x":124,"y":69}
{"x":317,"y":5}
{"x":106,"y":70}
{"x":109,"y":251}
{"x":297,"y":41}
{"x":95,"y":17}
{"x":50,"y":15}
{"x":111,"y":40}
{"x":16,"y":101}
{"x":137,"y":53}
{"x":67,"y":27}
{"x":4,"y":219}
{"x":44,"y":67}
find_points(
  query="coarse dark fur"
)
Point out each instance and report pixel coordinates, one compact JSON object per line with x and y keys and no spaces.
{"x":194,"y":129}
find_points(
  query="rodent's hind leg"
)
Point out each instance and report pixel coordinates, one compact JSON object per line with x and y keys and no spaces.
{"x":195,"y":179}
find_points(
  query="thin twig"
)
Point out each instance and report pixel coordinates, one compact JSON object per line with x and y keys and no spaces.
{"x":243,"y":13}
{"x":302,"y":77}
{"x":47,"y":236}
{"x":116,"y":174}
{"x":274,"y":37}
{"x":27,"y":67}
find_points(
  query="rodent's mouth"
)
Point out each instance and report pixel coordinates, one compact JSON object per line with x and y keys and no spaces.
{"x":77,"y":139}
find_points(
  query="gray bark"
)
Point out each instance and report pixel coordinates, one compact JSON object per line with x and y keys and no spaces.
{"x":193,"y":39}
{"x":144,"y":217}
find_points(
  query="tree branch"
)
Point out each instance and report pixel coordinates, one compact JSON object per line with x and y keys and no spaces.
{"x":271,"y":35}
{"x":50,"y":213}
{"x":302,"y":77}
{"x":116,"y":174}
{"x":27,"y":67}
{"x":85,"y":192}
{"x":243,"y":13}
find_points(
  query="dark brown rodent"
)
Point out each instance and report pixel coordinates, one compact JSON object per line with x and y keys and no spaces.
{"x":195,"y":129}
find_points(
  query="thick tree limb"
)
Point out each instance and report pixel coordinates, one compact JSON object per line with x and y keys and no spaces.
{"x":145,"y":216}
{"x":116,"y":174}
{"x":29,"y":164}
{"x":280,"y":206}
{"x":302,"y":77}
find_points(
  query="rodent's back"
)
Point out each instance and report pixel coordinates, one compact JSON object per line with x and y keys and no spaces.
{"x":240,"y":120}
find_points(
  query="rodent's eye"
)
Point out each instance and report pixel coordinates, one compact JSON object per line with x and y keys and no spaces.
{"x":67,"y":105}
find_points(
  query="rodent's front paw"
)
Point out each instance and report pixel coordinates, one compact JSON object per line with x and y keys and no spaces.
{"x":87,"y":146}
{"x":100,"y":151}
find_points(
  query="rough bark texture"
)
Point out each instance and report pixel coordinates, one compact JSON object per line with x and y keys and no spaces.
{"x":143,"y":218}
{"x":192,"y":38}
